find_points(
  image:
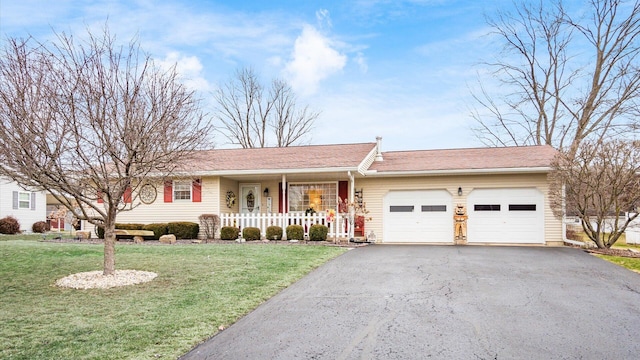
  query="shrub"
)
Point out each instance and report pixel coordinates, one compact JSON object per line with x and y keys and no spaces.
{"x":318,"y":232}
{"x":251,"y":233}
{"x":158,"y":229}
{"x":209,"y":224}
{"x":40,"y":227}
{"x":120,"y":226}
{"x":183,"y":229}
{"x":295,"y":232}
{"x":274,"y":232}
{"x":571,"y":234}
{"x":229,"y":233}
{"x":130,"y":226}
{"x":9,"y":225}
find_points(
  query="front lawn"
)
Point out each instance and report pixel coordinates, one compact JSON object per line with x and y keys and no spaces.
{"x":629,"y":263}
{"x":198,"y":289}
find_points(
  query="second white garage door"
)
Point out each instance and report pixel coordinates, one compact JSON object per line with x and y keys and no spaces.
{"x":512,"y":215}
{"x":418,"y":216}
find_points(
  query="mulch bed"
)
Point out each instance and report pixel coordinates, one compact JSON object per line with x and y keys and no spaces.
{"x":615,"y":252}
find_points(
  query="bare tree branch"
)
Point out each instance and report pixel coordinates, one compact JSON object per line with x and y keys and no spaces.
{"x":553,"y":93}
{"x":251,"y":117}
{"x":598,"y":183}
{"x":90,"y":120}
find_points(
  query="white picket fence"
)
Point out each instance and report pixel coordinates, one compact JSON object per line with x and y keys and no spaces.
{"x":339,"y":228}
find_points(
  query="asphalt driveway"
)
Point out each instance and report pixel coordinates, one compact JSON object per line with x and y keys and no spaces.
{"x":445,"y":302}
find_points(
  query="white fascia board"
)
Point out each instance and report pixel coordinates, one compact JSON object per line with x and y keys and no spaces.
{"x":460,"y":172}
{"x":364,"y":165}
{"x":272,"y":171}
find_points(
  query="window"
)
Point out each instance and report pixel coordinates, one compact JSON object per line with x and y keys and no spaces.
{"x":24,"y":200}
{"x":401,"y":208}
{"x":434,"y":208}
{"x":483,"y":207}
{"x":182,"y":190}
{"x":319,"y":196}
{"x":522,"y":207}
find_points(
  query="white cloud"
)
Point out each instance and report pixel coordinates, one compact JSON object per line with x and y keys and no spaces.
{"x":323,"y":18}
{"x":313,"y":59}
{"x":189,"y":68}
{"x":361,"y":61}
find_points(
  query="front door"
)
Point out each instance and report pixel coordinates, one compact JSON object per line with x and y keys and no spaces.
{"x":250,"y":198}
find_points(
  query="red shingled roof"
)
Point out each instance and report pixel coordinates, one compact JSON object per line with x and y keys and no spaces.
{"x":293,"y":157}
{"x":466,"y":159}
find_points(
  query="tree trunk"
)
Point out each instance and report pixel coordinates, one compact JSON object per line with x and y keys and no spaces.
{"x":109,"y":246}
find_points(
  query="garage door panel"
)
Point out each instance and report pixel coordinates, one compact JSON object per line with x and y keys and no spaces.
{"x":519,"y":219}
{"x":418,"y":216}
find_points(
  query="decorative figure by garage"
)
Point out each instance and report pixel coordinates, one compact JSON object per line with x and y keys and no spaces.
{"x":460,"y":222}
{"x":251,"y":201}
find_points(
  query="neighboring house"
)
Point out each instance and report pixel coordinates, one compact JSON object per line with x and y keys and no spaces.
{"x":58,"y":218}
{"x":410,"y":195}
{"x":25,"y":205}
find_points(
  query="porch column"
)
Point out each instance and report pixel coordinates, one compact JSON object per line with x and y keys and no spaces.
{"x":285,"y":206}
{"x":352,"y":191}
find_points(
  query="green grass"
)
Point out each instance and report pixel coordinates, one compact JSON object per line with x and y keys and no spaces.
{"x":581,"y":236}
{"x":198,"y":289}
{"x":33,"y":236}
{"x":632,"y":264}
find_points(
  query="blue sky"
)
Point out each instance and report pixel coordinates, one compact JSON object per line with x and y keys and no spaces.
{"x":397,"y":69}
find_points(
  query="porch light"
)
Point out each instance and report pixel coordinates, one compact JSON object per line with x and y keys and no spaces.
{"x":459,"y":191}
{"x":266,"y":192}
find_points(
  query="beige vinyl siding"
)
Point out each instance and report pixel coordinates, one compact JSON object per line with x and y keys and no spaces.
{"x":273,"y":194}
{"x":375,"y":188}
{"x":178,"y":210}
{"x":228,"y":185}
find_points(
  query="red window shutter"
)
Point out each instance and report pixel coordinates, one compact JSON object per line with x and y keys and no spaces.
{"x":168,"y":191}
{"x":99,"y":196}
{"x":196,"y":190}
{"x":126,"y":197}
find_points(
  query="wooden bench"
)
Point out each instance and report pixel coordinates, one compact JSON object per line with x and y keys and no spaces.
{"x":138,"y":235}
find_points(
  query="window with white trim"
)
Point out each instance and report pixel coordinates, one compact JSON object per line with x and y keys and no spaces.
{"x":24,"y":200}
{"x":182,"y":190}
{"x":317,"y":196}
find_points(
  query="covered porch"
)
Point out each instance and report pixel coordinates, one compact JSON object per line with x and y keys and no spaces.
{"x":339,"y":228}
{"x":292,"y":199}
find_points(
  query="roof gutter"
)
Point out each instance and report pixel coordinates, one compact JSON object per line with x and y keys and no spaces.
{"x":271,"y":171}
{"x":525,"y":170}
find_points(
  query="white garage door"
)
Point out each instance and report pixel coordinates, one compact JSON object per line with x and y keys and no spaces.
{"x":506,"y":216}
{"x":419,"y":216}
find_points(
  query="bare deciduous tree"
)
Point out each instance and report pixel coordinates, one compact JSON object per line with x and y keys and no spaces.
{"x":600,"y":184}
{"x":252,"y":117}
{"x":564,"y":79}
{"x":89,"y":121}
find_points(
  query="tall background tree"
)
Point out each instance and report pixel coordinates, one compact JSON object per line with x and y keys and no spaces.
{"x":253,"y":116}
{"x":600,"y":184}
{"x":90,"y":121}
{"x":562,"y":78}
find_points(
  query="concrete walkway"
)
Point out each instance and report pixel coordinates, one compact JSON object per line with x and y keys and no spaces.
{"x":445,"y":302}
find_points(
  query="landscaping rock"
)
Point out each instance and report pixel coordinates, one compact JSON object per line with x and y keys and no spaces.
{"x":138,"y":239}
{"x":168,"y":239}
